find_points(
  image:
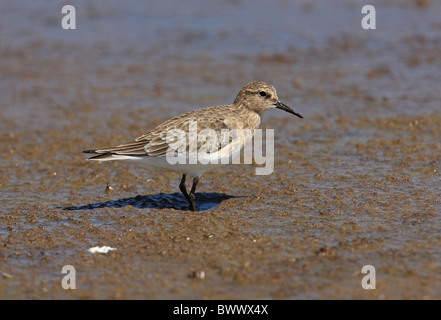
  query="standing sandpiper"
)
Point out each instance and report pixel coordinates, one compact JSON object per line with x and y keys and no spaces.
{"x":157,"y":149}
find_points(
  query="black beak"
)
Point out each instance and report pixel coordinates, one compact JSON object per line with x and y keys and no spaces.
{"x":284,"y":107}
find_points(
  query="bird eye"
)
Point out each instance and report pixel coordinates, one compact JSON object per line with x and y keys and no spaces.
{"x":262,"y":93}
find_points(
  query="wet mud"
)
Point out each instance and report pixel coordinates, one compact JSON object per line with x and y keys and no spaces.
{"x":355,"y":183}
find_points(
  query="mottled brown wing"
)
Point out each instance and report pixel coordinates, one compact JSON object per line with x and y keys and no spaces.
{"x":158,"y":144}
{"x":154,"y":143}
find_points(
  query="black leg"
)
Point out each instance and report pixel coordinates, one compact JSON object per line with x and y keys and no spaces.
{"x":193,"y":187}
{"x":189,"y":197}
{"x":192,"y":192}
{"x":182,"y":187}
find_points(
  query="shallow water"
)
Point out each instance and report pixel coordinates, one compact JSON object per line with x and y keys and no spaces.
{"x":356,"y":181}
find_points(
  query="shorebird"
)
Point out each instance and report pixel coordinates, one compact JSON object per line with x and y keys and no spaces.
{"x":155,"y":149}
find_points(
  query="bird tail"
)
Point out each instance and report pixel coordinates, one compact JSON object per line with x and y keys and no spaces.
{"x":100,"y":154}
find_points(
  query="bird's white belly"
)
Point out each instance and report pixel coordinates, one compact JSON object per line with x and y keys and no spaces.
{"x":192,"y":165}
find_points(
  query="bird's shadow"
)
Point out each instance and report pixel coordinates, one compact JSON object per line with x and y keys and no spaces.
{"x":204,"y":201}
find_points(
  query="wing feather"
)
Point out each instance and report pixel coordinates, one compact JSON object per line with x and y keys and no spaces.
{"x":154,"y":142}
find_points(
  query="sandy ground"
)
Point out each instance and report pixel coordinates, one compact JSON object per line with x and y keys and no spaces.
{"x":356,"y":182}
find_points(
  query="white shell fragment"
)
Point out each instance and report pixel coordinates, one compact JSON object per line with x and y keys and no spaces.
{"x":104,"y":249}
